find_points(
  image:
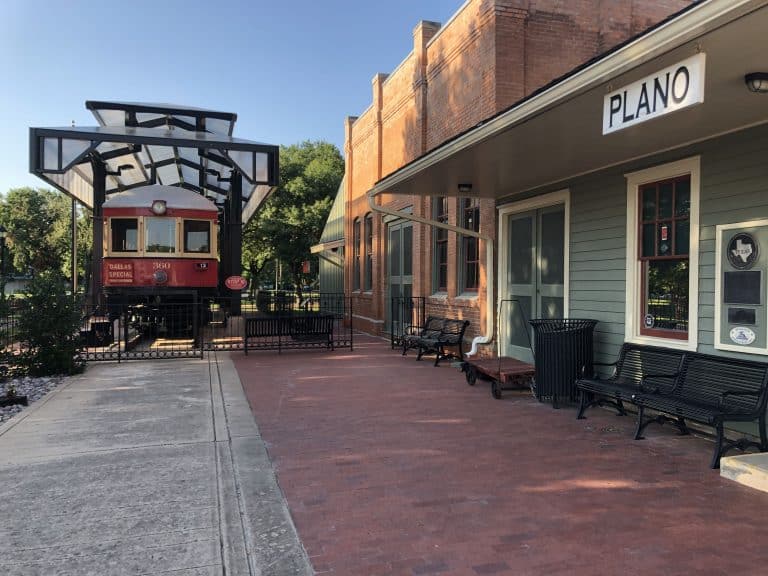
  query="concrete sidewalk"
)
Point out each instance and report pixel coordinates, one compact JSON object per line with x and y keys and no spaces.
{"x":143,"y":468}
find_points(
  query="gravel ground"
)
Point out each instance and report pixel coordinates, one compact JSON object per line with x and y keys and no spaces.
{"x":33,"y":388}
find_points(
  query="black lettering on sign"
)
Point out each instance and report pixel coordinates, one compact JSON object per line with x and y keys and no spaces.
{"x":680,"y":84}
{"x":625,"y":117}
{"x":642,"y":102}
{"x":662,"y":92}
{"x":615,"y":107}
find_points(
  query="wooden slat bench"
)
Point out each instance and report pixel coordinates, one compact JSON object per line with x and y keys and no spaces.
{"x":433,"y":338}
{"x":633,"y":373}
{"x":711,"y":390}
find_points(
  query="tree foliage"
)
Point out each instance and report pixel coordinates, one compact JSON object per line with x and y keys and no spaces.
{"x":39,"y":228}
{"x":48,"y":327}
{"x":293,"y":218}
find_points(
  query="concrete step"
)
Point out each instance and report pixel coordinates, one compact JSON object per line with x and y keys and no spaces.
{"x":748,"y":469}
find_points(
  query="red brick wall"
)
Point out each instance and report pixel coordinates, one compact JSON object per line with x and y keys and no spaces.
{"x":491,"y":54}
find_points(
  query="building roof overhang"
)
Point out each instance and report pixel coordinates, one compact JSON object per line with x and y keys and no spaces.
{"x":141,"y":144}
{"x":556,"y":134}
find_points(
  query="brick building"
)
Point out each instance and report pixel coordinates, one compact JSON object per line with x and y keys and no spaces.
{"x":490,"y":55}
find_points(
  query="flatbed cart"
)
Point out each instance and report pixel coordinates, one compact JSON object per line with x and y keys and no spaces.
{"x":504,"y":373}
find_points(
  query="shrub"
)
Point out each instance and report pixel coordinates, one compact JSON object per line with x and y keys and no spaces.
{"x":48,"y":327}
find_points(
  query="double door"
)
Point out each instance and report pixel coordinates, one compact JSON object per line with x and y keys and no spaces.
{"x":534,"y":279}
{"x":399,"y":313}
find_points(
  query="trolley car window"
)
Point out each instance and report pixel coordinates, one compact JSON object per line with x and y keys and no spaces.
{"x":197,"y":236}
{"x":160,"y":234}
{"x":124,"y":234}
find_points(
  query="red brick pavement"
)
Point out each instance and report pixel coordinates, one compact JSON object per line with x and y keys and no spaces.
{"x":391,"y":466}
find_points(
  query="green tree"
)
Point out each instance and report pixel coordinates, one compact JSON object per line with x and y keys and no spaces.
{"x":48,"y":327}
{"x":39,"y":230}
{"x":293,"y":218}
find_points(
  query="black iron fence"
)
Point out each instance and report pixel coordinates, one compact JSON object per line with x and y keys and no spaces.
{"x":183,"y":330}
{"x":406,"y":313}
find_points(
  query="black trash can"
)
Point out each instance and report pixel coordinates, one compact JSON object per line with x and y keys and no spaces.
{"x":562,"y":346}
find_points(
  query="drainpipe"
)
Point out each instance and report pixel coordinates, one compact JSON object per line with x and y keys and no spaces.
{"x":490,"y":317}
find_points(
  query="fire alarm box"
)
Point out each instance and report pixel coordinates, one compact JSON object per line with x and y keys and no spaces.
{"x":741,"y":271}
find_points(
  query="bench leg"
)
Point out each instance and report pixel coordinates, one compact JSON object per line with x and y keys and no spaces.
{"x":420,"y":354}
{"x":620,"y":407}
{"x":763,"y":435}
{"x":640,"y":425}
{"x":439,"y":353}
{"x":682,"y":426}
{"x":715,"y":464}
{"x":583,"y":405}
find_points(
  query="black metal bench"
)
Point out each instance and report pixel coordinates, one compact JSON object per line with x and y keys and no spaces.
{"x":433,"y":338}
{"x":711,"y":390}
{"x":637,"y":369}
{"x":286,"y":331}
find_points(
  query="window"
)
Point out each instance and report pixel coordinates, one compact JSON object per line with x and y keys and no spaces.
{"x":440,"y":238}
{"x":664,"y":242}
{"x":470,"y":250}
{"x":662,"y":255}
{"x":197,"y":236}
{"x":356,"y":254}
{"x":160,"y":235}
{"x":125,"y":233}
{"x":368,"y":252}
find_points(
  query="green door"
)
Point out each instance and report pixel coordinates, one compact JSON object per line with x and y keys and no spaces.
{"x":535,"y":276}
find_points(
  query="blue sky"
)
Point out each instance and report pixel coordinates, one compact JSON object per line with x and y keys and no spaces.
{"x":291,"y":70}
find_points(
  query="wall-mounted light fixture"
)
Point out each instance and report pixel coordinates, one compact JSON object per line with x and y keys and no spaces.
{"x":757,"y":82}
{"x":465,"y":188}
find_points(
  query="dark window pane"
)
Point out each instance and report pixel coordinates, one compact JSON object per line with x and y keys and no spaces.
{"x":407,"y":250}
{"x":521,"y":250}
{"x":664,"y":239}
{"x":124,"y":234}
{"x":682,"y":237}
{"x":519,"y":314}
{"x":394,"y":252}
{"x":649,"y":203}
{"x":667,"y":300}
{"x":648,"y":245}
{"x":197,"y":236}
{"x":551,"y":307}
{"x":665,"y":200}
{"x":552,"y":247}
{"x":683,"y":197}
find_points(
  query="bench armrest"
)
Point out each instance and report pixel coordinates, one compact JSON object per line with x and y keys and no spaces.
{"x":655,"y":390}
{"x":583,"y":371}
{"x":736,"y":393}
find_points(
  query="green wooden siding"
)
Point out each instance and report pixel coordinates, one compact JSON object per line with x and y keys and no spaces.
{"x":332,"y":276}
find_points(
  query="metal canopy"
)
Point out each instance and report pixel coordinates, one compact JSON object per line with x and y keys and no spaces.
{"x":142,"y":144}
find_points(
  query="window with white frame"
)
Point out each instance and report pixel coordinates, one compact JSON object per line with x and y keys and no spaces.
{"x":662,"y":254}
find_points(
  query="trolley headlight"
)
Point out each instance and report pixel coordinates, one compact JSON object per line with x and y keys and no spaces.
{"x":158,"y":207}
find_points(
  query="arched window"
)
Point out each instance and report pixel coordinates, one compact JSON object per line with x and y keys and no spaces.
{"x":356,"y":254}
{"x":368,"y":284}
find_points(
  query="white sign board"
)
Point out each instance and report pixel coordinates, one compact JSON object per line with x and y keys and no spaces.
{"x":667,"y":90}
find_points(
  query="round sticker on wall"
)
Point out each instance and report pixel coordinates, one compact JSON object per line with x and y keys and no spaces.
{"x":742,"y":335}
{"x":649,"y":320}
{"x":742,"y":251}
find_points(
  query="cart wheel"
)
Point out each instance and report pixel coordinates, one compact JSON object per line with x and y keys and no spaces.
{"x":471,"y":375}
{"x":496,"y":390}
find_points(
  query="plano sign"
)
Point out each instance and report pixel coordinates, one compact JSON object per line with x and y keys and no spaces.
{"x":667,"y":90}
